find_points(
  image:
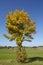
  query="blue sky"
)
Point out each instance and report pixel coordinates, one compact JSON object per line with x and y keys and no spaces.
{"x":34,"y":9}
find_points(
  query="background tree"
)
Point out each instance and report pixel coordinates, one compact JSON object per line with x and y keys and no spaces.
{"x":21,"y":29}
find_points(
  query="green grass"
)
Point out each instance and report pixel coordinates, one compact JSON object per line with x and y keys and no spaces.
{"x":34,"y":56}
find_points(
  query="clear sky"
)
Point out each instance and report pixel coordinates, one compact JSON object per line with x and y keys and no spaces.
{"x":35,"y":10}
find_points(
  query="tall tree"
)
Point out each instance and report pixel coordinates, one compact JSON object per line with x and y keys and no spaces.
{"x":21,"y":29}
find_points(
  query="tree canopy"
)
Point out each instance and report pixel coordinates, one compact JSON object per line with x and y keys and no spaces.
{"x":20,"y":26}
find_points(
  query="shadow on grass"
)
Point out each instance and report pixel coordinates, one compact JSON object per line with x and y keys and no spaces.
{"x":32,"y":59}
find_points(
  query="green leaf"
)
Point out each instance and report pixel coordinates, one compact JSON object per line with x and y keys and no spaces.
{"x":28,"y":40}
{"x":29,"y":36}
{"x":6,"y":36}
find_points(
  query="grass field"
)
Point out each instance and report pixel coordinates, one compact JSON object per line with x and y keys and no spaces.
{"x":34,"y":56}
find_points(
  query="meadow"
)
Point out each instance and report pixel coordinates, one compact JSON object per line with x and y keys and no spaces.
{"x":34,"y":56}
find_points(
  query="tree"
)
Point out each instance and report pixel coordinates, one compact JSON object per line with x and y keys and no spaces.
{"x":21,"y":28}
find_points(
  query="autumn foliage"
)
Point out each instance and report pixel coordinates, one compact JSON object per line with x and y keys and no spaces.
{"x":19,"y":26}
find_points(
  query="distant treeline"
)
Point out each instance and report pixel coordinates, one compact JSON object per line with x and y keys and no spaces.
{"x":6,"y":47}
{"x":16,"y":46}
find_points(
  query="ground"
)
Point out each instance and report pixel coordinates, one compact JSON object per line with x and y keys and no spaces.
{"x":34,"y":56}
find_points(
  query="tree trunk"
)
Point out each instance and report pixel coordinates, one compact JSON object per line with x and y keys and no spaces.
{"x":21,"y":53}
